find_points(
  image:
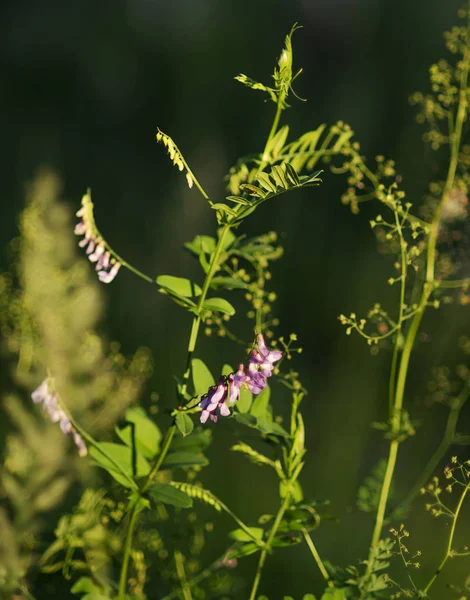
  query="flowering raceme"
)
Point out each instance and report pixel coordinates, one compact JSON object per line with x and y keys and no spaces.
{"x":51,"y":405}
{"x":260,"y":367}
{"x":106,"y":264}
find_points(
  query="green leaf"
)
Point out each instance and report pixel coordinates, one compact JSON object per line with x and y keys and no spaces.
{"x":239,"y":200}
{"x":253,"y":190}
{"x":261,"y":404}
{"x":245,"y":419}
{"x":245,"y":550}
{"x":184,"y":423}
{"x":202,"y":377}
{"x":255,"y":85}
{"x":196,"y":442}
{"x":223,"y":208}
{"x":333,"y":594}
{"x":277,"y":143}
{"x":245,"y":401}
{"x":202,"y":244}
{"x":266,"y":182}
{"x":147,"y":434}
{"x":227,"y":369}
{"x":269,"y":427}
{"x":309,"y":597}
{"x":123,"y":456}
{"x":219,"y":305}
{"x":292,"y":174}
{"x":184,"y":459}
{"x":167,"y":494}
{"x":295,"y":490}
{"x":179,"y":286}
{"x":85,"y":584}
{"x":279,"y":176}
{"x":284,"y":541}
{"x":240,"y":535}
{"x":228,"y":283}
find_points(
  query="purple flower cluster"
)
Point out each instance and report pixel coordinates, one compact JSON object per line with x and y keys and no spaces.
{"x":51,"y":405}
{"x":260,"y":367}
{"x":106,"y":265}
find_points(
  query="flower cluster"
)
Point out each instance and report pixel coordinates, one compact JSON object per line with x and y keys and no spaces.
{"x":254,"y":377}
{"x":106,"y":265}
{"x":51,"y":404}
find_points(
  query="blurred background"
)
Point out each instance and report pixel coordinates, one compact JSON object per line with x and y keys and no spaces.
{"x":84,"y":86}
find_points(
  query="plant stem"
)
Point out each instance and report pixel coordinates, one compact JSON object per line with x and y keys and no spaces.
{"x":172,"y":429}
{"x":127,"y":553}
{"x":179,"y":563}
{"x":264,"y":552}
{"x":217,"y":564}
{"x":428,"y":287}
{"x":316,"y":556}
{"x":197,"y":318}
{"x":449,"y":434}
{"x":451,"y":539}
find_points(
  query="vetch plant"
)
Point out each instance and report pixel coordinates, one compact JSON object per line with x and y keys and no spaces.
{"x":139,"y":516}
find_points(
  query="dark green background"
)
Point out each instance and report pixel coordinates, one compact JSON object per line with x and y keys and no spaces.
{"x":84,"y":85}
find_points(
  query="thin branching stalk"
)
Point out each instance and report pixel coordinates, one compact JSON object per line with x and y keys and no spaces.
{"x":171,"y":431}
{"x":447,"y":440}
{"x":448,"y":552}
{"x":428,"y":287}
{"x":264,"y":553}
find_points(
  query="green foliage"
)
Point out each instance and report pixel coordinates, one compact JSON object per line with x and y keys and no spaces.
{"x":164,"y":492}
{"x":50,"y":331}
{"x":202,"y":377}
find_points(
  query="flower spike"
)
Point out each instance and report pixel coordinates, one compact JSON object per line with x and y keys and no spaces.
{"x":254,"y":378}
{"x":107,"y":265}
{"x":51,"y":405}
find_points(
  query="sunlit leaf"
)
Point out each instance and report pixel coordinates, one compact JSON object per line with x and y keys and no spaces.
{"x":228,"y":283}
{"x":195,"y":442}
{"x":124,"y":456}
{"x":184,"y":423}
{"x":202,"y":377}
{"x":219,"y":305}
{"x":146,"y":432}
{"x":260,"y":405}
{"x":163,"y":492}
{"x":240,"y":535}
{"x":184,"y":459}
{"x":245,"y":401}
{"x":179,"y":286}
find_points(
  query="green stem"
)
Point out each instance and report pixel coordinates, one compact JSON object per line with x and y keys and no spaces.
{"x":396,"y":420}
{"x":172,"y":429}
{"x":415,"y":323}
{"x":200,"y":577}
{"x":449,"y":435}
{"x":448,"y":553}
{"x":124,"y":263}
{"x":456,"y":283}
{"x":264,"y":552}
{"x":197,"y":319}
{"x":315,"y":554}
{"x":180,"y":571}
{"x":127,"y":552}
{"x":456,"y":137}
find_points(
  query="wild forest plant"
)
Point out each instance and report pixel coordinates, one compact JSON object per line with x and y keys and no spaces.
{"x":131,"y":535}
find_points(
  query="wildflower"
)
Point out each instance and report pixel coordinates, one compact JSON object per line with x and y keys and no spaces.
{"x":213,"y":400}
{"x":51,"y":405}
{"x":107,"y":266}
{"x":254,"y":378}
{"x":236,"y":380}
